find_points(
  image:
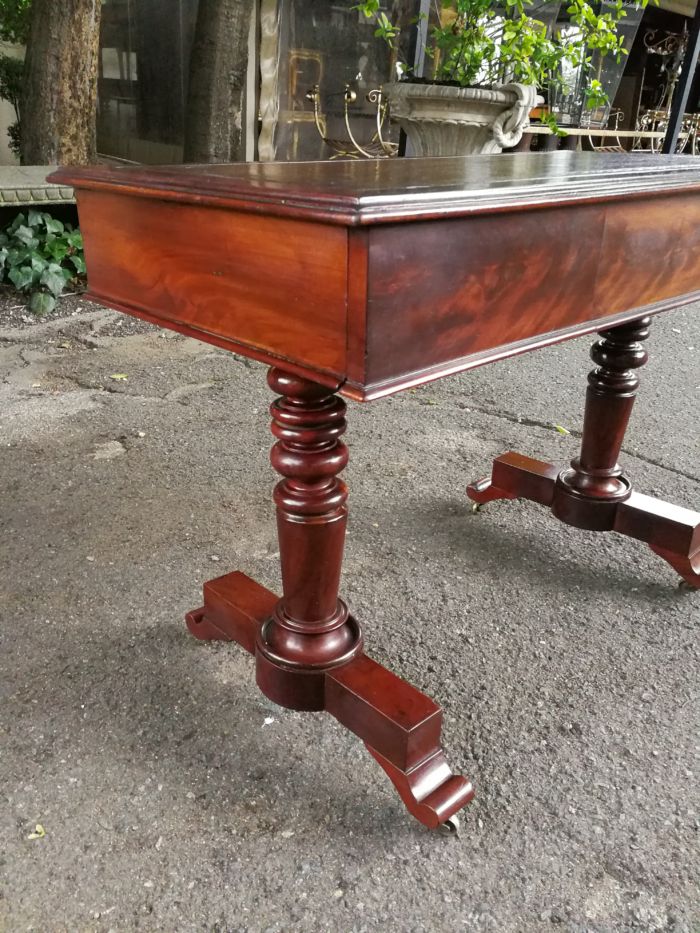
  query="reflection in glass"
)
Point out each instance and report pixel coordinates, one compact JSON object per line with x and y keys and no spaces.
{"x":568,"y":103}
{"x":332,"y":46}
{"x":145,"y":49}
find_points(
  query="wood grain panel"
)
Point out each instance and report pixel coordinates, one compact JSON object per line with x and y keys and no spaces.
{"x":651,"y":252}
{"x":272,"y":283}
{"x":438,"y":292}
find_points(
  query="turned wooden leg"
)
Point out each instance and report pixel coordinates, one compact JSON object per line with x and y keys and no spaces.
{"x":308,"y":648}
{"x":588,"y":493}
{"x":594,"y":493}
{"x":310,"y":630}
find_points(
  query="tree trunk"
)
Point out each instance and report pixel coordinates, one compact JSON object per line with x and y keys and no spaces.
{"x":218,"y":65}
{"x":59,"y":107}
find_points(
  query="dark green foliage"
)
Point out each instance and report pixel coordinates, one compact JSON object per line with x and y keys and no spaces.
{"x":11,"y":79}
{"x":14,"y":21}
{"x":11,"y":71}
{"x":14,"y":28}
{"x":39,"y":255}
{"x":489,"y":41}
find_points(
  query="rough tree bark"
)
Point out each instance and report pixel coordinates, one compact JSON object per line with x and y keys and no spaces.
{"x":213,"y":123}
{"x":59,"y":106}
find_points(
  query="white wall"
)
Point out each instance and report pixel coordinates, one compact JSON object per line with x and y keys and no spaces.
{"x":7,"y":113}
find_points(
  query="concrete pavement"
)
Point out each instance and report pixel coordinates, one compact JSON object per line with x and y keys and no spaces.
{"x":174,"y":797}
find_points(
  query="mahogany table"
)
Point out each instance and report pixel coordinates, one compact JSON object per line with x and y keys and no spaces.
{"x":360,"y":279}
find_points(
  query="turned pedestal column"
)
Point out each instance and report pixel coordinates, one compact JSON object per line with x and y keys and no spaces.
{"x":594,"y":492}
{"x":310,"y":630}
{"x":588,"y":493}
{"x":307,"y":646}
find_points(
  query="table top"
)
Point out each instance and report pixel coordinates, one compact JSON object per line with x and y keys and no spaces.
{"x":386,"y":190}
{"x":376,"y":275}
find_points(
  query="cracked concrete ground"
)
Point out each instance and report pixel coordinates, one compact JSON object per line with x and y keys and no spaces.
{"x":173,"y":797}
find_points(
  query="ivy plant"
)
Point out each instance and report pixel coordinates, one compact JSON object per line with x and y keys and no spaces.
{"x":485,"y":42}
{"x":39,"y":256}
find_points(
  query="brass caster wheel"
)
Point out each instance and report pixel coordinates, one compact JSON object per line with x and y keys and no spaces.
{"x":450,"y":827}
{"x":478,"y":506}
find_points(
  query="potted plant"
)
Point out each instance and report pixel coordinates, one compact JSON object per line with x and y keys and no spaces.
{"x":489,"y":61}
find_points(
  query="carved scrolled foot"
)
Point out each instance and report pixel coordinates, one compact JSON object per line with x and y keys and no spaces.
{"x":202,"y":628}
{"x":686,"y":567}
{"x":400,"y":725}
{"x":483,"y":491}
{"x":429,"y":790}
{"x":671,"y":531}
{"x":234,"y":609}
{"x":515,"y":476}
{"x":401,"y":728}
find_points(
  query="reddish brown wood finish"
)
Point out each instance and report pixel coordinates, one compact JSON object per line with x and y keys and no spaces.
{"x":399,"y":725}
{"x":588,"y":493}
{"x":405,"y":270}
{"x":308,"y":649}
{"x":363,"y":278}
{"x":244,"y":279}
{"x":310,"y":630}
{"x":594,"y":493}
{"x":449,"y":291}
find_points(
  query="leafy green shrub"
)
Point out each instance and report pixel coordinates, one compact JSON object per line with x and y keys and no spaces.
{"x":485,"y":42}
{"x":15,"y":17}
{"x":11,"y":74}
{"x":39,"y":255}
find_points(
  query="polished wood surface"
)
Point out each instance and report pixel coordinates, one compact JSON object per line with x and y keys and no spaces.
{"x":261,"y":280}
{"x":594,"y":492}
{"x":364,"y":278}
{"x":308,"y":648}
{"x":399,"y":725}
{"x":351,"y":193}
{"x":403,"y":270}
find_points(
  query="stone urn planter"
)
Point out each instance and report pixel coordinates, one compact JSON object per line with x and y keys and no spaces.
{"x":441,"y":120}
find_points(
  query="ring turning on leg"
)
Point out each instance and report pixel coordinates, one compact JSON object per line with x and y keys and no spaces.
{"x":310,"y":630}
{"x":587,"y":494}
{"x":308,"y":648}
{"x":594,"y":493}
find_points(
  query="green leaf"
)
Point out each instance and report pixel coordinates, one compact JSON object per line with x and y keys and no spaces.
{"x":42,"y":303}
{"x":26,"y":235}
{"x":17,"y":256}
{"x":53,"y":279}
{"x":19,"y":220}
{"x":79,"y":264}
{"x":39,"y":265}
{"x":53,"y":225}
{"x":21,"y":277}
{"x":75,"y":239}
{"x":57,"y":249}
{"x":35,"y":218}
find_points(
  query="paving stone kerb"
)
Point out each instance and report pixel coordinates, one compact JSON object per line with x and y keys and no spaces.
{"x":27,"y":185}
